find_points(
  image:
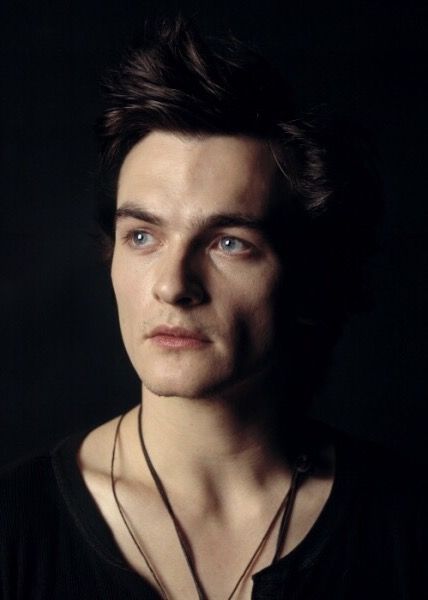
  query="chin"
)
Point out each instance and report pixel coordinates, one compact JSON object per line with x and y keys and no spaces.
{"x":186,"y":383}
{"x":182,"y":376}
{"x":205,"y":385}
{"x":193,"y":377}
{"x":180,"y":389}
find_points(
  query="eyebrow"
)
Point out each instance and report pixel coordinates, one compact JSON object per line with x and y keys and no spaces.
{"x":210,"y":222}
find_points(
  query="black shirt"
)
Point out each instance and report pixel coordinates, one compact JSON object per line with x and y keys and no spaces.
{"x":368,"y":542}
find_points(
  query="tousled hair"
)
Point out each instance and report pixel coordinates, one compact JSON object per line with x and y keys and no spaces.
{"x":173,"y":80}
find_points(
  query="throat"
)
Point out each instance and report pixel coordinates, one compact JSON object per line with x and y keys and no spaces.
{"x":224,"y":503}
{"x":203,"y":447}
{"x":273,"y":535}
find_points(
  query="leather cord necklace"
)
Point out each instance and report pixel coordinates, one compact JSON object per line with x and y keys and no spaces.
{"x":125,"y":520}
{"x":301,"y":468}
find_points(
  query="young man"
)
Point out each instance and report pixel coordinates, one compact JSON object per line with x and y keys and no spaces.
{"x":237,"y":238}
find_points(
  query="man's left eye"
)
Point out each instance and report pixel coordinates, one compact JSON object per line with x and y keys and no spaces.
{"x":232,"y":245}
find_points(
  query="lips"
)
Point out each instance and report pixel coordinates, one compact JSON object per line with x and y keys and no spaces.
{"x":178,"y":332}
{"x":178,"y":338}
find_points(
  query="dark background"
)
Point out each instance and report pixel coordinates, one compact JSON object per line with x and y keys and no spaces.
{"x":63,"y":367}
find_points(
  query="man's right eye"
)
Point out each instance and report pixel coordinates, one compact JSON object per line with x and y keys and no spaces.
{"x":139,"y":238}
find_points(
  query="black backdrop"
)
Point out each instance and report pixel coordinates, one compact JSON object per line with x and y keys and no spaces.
{"x":63,"y":367}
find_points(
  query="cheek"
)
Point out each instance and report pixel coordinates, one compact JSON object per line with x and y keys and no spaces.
{"x":127,"y":290}
{"x":253,"y":304}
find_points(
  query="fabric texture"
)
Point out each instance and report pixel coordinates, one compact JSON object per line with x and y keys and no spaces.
{"x":367,"y":543}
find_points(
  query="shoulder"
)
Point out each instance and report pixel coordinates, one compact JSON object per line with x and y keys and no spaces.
{"x":382,"y":478}
{"x":25,"y":478}
{"x":94,"y":452}
{"x":382,"y":467}
{"x":27,"y":497}
{"x":94,"y":455}
{"x":389,"y":487}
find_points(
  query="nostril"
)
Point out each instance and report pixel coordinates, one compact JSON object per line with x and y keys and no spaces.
{"x":180,"y":293}
{"x":191,"y":297}
{"x":186,"y":301}
{"x":179,"y":282}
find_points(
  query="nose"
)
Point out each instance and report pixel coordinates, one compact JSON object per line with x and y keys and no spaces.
{"x":179,"y":279}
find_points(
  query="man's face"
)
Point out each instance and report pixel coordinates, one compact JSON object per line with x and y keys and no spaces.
{"x":191,"y":252}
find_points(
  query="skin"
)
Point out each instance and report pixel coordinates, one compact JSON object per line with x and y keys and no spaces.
{"x":181,"y":273}
{"x":206,"y":419}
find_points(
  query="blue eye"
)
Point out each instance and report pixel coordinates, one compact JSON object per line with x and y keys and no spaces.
{"x":140,"y":238}
{"x":231,"y":245}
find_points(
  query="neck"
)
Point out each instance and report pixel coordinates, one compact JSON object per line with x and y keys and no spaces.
{"x":214,"y":446}
{"x":201,"y":431}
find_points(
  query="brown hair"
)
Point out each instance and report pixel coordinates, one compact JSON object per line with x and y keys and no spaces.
{"x":172,"y":80}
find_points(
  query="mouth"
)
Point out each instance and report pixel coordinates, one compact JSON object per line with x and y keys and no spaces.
{"x":178,"y":337}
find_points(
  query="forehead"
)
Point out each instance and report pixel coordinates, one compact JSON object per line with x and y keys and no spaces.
{"x":186,"y":174}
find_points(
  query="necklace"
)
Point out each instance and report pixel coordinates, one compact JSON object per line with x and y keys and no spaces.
{"x":124,"y":518}
{"x":301,"y":467}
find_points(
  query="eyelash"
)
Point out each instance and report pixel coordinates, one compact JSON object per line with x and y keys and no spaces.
{"x":129,"y":238}
{"x":235,"y":239}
